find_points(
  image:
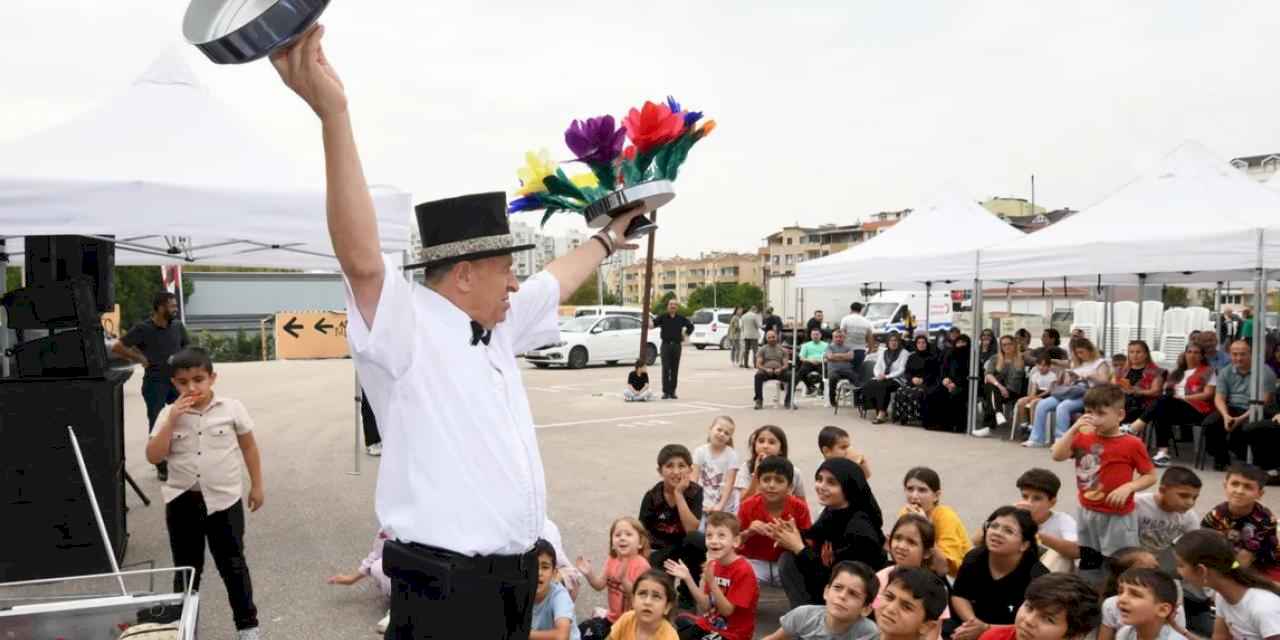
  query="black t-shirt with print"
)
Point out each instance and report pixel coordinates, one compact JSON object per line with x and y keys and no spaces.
{"x":662,"y":520}
{"x":637,"y":381}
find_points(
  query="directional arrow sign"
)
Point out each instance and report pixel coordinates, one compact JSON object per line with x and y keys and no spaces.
{"x":291,"y":327}
{"x":320,"y":326}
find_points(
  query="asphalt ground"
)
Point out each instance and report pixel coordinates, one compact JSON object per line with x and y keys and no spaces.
{"x":600,"y":458}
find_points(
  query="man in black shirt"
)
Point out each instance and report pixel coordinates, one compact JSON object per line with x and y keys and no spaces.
{"x":151,"y":343}
{"x":675,"y":328}
{"x":771,"y":322}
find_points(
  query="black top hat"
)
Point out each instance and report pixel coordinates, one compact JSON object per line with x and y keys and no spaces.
{"x":464,"y":228}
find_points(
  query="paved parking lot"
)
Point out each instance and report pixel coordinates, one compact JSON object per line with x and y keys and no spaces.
{"x":600,"y":457}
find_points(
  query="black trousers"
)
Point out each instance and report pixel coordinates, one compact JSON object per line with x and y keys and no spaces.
{"x":992,"y":402}
{"x":809,"y":374}
{"x":190,"y":525}
{"x":670,"y":367}
{"x":441,"y":594}
{"x":834,"y":376}
{"x":1168,"y":411}
{"x":761,"y":377}
{"x":749,"y":347}
{"x":1220,"y":444}
{"x":878,"y":392}
{"x":157,"y":393}
{"x":692,"y":550}
{"x":368,"y":422}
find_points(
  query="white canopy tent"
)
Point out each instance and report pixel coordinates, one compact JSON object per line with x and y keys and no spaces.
{"x":176,"y":177}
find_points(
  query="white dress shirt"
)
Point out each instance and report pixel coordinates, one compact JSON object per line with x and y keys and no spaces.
{"x":460,"y":468}
{"x":205,"y":455}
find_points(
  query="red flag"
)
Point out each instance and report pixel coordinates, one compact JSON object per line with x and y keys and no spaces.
{"x":171,"y":275}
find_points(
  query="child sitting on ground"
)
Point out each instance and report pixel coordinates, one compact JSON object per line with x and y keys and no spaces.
{"x":1057,"y":529}
{"x":1123,"y":561}
{"x":715,"y":467}
{"x":638,"y":385}
{"x":553,"y":616}
{"x":1042,"y":379}
{"x":834,"y":442}
{"x":653,"y":599}
{"x":1248,"y":605}
{"x":1056,"y":606}
{"x":1245,"y":521}
{"x":1106,"y":461}
{"x":924,"y":495}
{"x":1167,"y":513}
{"x":773,"y":503}
{"x":1148,"y":598}
{"x":371,"y":567}
{"x":910,"y":604}
{"x":671,"y":511}
{"x":628,"y":553}
{"x":728,"y":594}
{"x":768,"y":440}
{"x":911,"y":545}
{"x":202,"y":494}
{"x":848,"y":600}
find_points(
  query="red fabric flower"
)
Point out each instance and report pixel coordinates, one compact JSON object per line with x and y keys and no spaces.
{"x":652,"y":126}
{"x":629,"y":153}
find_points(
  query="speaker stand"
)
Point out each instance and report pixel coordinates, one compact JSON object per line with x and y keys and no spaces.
{"x":137,"y":490}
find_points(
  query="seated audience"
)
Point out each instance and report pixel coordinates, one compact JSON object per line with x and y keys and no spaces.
{"x":920,"y":376}
{"x":1187,"y":400}
{"x":848,"y":596}
{"x":1042,"y":379}
{"x":987,"y":348}
{"x":653,"y":599}
{"x":727,"y":595}
{"x":553,"y":617}
{"x":1247,"y":523}
{"x":1148,"y":599}
{"x":628,"y":559}
{"x":811,"y":359}
{"x":637,"y":389}
{"x":1141,"y":380}
{"x":913,"y":545}
{"x":1118,"y":564}
{"x":671,"y":511}
{"x":1247,"y":604}
{"x":840,"y":359}
{"x":990,"y":586}
{"x":1056,"y":607}
{"x":946,"y":404}
{"x":1003,"y":383}
{"x":834,"y":442}
{"x":767,"y":440}
{"x":890,"y":374}
{"x":924,"y":498}
{"x":772,"y":363}
{"x":774,"y":503}
{"x":910,"y":604}
{"x":1222,"y":428}
{"x":1051,"y":345}
{"x":1088,"y":369}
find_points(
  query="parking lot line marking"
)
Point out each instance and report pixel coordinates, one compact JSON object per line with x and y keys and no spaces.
{"x":692,"y":411}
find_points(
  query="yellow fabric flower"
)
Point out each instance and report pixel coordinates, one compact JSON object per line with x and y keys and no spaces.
{"x":585,"y":181}
{"x":537,"y":166}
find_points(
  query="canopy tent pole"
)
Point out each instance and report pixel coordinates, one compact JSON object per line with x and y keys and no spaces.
{"x":1142,"y":287}
{"x":1256,"y":393}
{"x":795,"y":342}
{"x":1217,"y":309}
{"x":928,"y":299}
{"x":355,"y":450}
{"x":1102,"y":331}
{"x":4,"y":321}
{"x":972,"y":412}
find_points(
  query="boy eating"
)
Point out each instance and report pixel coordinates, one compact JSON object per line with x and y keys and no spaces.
{"x":848,"y":595}
{"x":1057,"y":529}
{"x":911,"y":604}
{"x":1148,"y":598}
{"x":672,"y":510}
{"x":553,"y":616}
{"x":1106,"y":461}
{"x":834,"y":442}
{"x":728,"y":595}
{"x":773,"y":503}
{"x":1246,"y":522}
{"x":208,"y":443}
{"x":1056,"y":606}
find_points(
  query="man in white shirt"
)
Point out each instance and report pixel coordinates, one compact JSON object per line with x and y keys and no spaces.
{"x":461,"y":481}
{"x":858,"y":333}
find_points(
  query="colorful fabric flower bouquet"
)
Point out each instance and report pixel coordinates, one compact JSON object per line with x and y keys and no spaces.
{"x":661,"y":136}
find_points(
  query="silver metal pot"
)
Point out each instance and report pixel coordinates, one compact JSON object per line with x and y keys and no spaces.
{"x":239,"y":31}
{"x":646,"y":195}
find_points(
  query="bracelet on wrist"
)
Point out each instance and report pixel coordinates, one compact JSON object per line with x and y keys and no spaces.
{"x":608,"y":250}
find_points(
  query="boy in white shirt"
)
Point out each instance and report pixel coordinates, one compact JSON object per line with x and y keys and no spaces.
{"x":1167,"y":513}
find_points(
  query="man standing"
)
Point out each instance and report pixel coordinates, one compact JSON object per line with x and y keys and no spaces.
{"x":816,"y":322}
{"x":750,"y":323}
{"x":1212,"y":355}
{"x":772,"y":363}
{"x":771,"y":322}
{"x":811,"y":356}
{"x":461,"y":482}
{"x":675,"y":329}
{"x":151,"y":343}
{"x":840,"y":357}
{"x":1222,"y":428}
{"x":858,"y":335}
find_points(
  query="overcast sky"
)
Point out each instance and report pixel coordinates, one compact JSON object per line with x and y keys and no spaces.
{"x":827,"y":112}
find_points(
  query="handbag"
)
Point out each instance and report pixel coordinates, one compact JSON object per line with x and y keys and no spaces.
{"x":1063,"y":392}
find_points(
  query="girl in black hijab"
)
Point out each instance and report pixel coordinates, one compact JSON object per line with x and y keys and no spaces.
{"x":945,"y":406}
{"x":849,"y":528}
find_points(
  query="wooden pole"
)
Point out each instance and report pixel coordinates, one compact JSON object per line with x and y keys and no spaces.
{"x":647,"y":294}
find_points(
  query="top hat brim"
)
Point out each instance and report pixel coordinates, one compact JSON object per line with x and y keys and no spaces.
{"x":478,"y":255}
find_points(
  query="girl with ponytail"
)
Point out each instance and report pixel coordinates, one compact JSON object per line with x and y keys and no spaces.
{"x":1248,"y":604}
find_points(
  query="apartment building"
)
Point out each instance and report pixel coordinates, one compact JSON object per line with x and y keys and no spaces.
{"x":684,"y":275}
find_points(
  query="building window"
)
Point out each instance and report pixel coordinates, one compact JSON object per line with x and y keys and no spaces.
{"x":788,"y":240}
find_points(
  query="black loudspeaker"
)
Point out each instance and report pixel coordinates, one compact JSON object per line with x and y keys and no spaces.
{"x":57,"y":258}
{"x":79,"y":353}
{"x":69,"y":303}
{"x":48,"y":525}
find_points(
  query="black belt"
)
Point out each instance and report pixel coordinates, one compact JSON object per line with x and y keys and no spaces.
{"x":672,"y":341}
{"x":519,"y":564}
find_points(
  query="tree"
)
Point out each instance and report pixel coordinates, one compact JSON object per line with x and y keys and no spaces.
{"x":13,"y":278}
{"x":659,"y":306}
{"x":1206,"y":299}
{"x":1176,"y":297}
{"x":726,"y":295}
{"x":135,"y":287}
{"x":588,"y":293}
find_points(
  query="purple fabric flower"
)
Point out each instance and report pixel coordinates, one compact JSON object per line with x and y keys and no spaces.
{"x":596,"y":140}
{"x":527,"y":203}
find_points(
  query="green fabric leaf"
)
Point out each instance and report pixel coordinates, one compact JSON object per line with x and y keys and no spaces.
{"x":606,"y":175}
{"x":560,"y":185}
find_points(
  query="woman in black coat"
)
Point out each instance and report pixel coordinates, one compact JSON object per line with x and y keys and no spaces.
{"x":946,"y":403}
{"x":849,"y":528}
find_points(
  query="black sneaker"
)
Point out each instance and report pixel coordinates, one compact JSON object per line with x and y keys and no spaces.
{"x":162,"y":472}
{"x":673,"y":397}
{"x":759,"y":405}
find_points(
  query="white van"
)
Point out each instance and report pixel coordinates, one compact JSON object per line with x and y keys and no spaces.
{"x":711,"y":328}
{"x":885,"y":310}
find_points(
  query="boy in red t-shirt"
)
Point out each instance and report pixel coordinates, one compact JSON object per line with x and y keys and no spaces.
{"x":1106,"y":461}
{"x":773,"y":503}
{"x":728,"y":595}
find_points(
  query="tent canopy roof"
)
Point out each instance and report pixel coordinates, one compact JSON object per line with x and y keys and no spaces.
{"x":176,"y":176}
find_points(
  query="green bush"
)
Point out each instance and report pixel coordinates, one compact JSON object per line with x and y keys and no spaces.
{"x":241,"y":347}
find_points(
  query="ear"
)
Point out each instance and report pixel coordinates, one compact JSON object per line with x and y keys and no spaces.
{"x":930,"y":629}
{"x":463,"y":274}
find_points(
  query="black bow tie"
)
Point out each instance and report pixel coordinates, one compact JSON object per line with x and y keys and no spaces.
{"x":478,"y":334}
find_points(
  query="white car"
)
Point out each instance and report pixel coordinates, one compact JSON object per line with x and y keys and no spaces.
{"x":585,"y":340}
{"x":711,"y":328}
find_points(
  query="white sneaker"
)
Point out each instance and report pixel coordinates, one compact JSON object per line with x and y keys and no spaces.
{"x":982,"y":433}
{"x":248,"y":634}
{"x":1124,"y":428}
{"x":1000,"y":419}
{"x":1161,"y":459}
{"x":374,"y":450}
{"x":382,"y":624}
{"x":1032,"y":444}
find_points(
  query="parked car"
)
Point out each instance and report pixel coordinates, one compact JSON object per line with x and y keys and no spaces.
{"x":711,"y":328}
{"x":591,"y":339}
{"x":635,"y":312}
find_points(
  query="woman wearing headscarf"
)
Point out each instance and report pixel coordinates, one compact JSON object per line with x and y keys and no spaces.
{"x":945,"y":406}
{"x":887,"y":377}
{"x":850,"y":527}
{"x":920,"y":376}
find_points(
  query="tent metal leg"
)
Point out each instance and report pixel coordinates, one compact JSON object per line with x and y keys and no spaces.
{"x":1256,"y":393}
{"x":1142,"y":289}
{"x":973,"y":350}
{"x":355,"y":449}
{"x":928,"y":302}
{"x":4,"y":326}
